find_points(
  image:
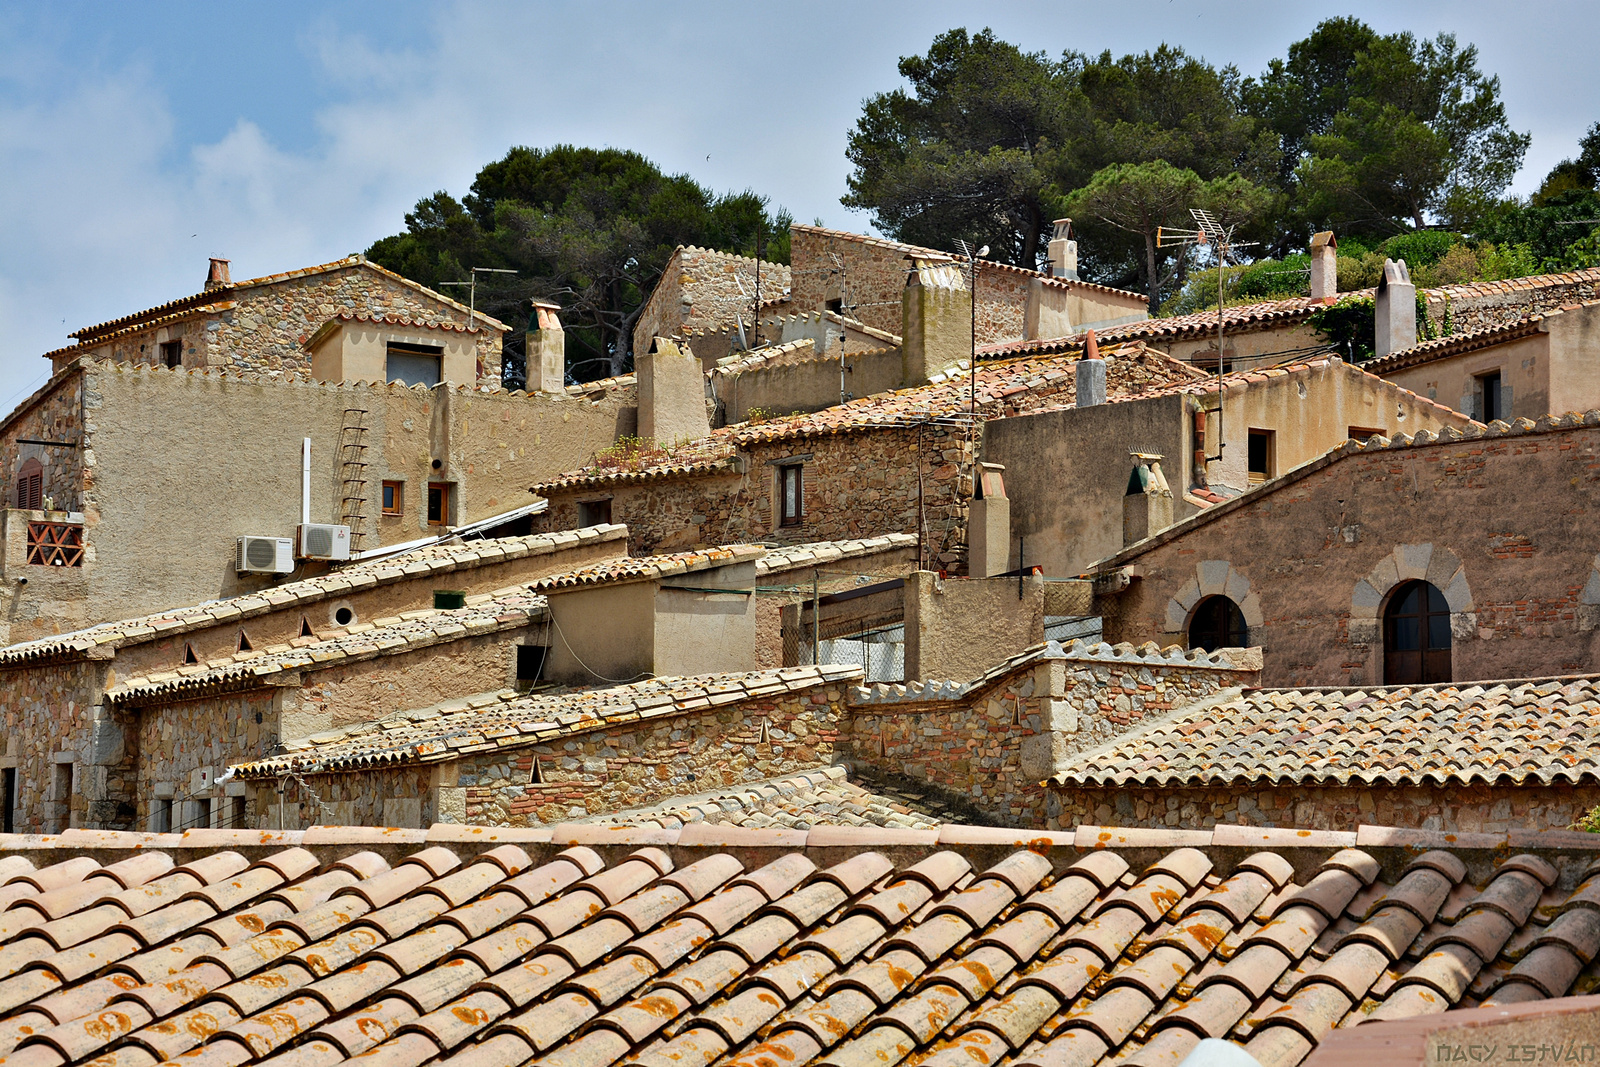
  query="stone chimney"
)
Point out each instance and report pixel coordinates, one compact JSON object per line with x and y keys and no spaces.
{"x":936,"y":319}
{"x":672,"y":394}
{"x":1147,"y":505}
{"x":1063,"y":252}
{"x":1091,"y":371}
{"x":1324,"y":267}
{"x":1396,"y":311}
{"x":217,"y":276}
{"x":545,"y":350}
{"x":989,"y":525}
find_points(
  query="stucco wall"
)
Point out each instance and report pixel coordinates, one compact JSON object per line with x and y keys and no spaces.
{"x":697,"y":632}
{"x":602,"y":634}
{"x":1524,"y":366}
{"x":359,"y":352}
{"x":1450,"y":808}
{"x":805,"y":385}
{"x":1574,"y":353}
{"x":1504,"y":524}
{"x":958,"y":628}
{"x":1242,"y":350}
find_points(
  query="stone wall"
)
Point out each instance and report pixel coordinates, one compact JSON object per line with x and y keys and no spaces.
{"x":699,"y":291}
{"x":1452,"y":808}
{"x":51,"y":712}
{"x":54,"y":414}
{"x":265,"y":327}
{"x":1497,"y":303}
{"x":176,"y":740}
{"x":873,"y":278}
{"x":1502,"y":523}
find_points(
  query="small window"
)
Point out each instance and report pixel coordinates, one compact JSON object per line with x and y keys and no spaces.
{"x":189,"y":658}
{"x":1218,"y":623}
{"x":530,"y":663}
{"x":8,"y":782}
{"x":244,"y":642}
{"x":413,"y":364}
{"x":1365,"y":433}
{"x":202,"y":814}
{"x":791,"y":495}
{"x":235,"y":813}
{"x":594,"y":512}
{"x":1261,"y":457}
{"x":172,"y":353}
{"x":439,"y":503}
{"x":344,"y":616}
{"x":394,"y":498}
{"x":1416,"y":636}
{"x":30,"y":485}
{"x":1490,"y":402}
{"x":161,"y":821}
{"x":305,"y":627}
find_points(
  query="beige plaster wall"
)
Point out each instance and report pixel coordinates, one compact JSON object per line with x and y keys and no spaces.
{"x":703,"y":633}
{"x":602,"y":633}
{"x":1056,"y":310}
{"x":958,"y":628}
{"x":1524,"y":365}
{"x":359,"y":352}
{"x":1243,"y":350}
{"x":672,"y":394}
{"x":1574,"y":361}
{"x":806,"y":385}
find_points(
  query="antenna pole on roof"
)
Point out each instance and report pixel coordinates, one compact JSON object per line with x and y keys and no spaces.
{"x":972,"y":288}
{"x":472,"y":290}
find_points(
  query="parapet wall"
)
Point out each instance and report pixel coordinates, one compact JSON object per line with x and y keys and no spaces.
{"x":794,"y":378}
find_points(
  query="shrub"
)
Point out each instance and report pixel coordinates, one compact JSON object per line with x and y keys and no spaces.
{"x":1350,"y":323}
{"x":631,"y":454}
{"x":1421,"y":248}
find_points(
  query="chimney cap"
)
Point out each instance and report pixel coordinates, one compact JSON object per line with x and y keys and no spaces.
{"x":1324,"y":239}
{"x":217,"y":274}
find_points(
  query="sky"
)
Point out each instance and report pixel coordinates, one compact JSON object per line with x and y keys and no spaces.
{"x":137,"y":139}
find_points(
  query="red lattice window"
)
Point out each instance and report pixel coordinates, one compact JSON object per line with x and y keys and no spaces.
{"x":55,"y":544}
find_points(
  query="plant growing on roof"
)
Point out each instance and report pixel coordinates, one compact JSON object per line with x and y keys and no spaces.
{"x":631,"y":454}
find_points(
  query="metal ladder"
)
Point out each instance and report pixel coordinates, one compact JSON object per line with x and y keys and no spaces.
{"x":353,"y":475}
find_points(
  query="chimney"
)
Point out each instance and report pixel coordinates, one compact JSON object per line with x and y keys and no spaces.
{"x":672,"y":394}
{"x":936,"y":320}
{"x":1063,"y":252}
{"x":217,"y":276}
{"x":1147,"y":505}
{"x":545,"y":350}
{"x":989,"y":525}
{"x":1396,"y":311}
{"x":1324,"y":267}
{"x":1091,"y":374}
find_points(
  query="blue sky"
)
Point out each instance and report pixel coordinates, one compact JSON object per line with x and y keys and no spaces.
{"x":137,"y":139}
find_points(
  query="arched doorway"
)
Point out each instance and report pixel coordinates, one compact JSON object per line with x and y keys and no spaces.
{"x":1218,"y":623}
{"x":1416,"y":636}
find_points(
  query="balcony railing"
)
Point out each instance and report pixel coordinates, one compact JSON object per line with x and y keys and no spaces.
{"x":55,"y":544}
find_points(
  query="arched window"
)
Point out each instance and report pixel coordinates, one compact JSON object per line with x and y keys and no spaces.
{"x":30,"y":485}
{"x":1416,"y":636}
{"x":1218,"y":623}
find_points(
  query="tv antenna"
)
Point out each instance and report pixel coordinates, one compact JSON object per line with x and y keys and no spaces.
{"x":1208,"y":232}
{"x":472,"y":290}
{"x":972,"y":288}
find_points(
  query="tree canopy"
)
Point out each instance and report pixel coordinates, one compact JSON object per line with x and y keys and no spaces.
{"x":589,"y":228}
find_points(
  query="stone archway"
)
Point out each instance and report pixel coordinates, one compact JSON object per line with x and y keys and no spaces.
{"x":1430,"y":563}
{"x":1213,"y":577}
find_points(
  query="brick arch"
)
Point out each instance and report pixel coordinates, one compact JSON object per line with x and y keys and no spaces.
{"x":1428,"y":562}
{"x":1213,"y":577}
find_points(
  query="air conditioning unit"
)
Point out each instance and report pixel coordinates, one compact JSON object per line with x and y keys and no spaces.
{"x":320,"y":540}
{"x":265,"y":555}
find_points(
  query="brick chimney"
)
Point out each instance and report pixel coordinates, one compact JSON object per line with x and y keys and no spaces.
{"x":1147,"y":505}
{"x":545,"y":350}
{"x":1091,"y":371}
{"x":1396,"y":310}
{"x":217,"y":276}
{"x":1063,"y":252}
{"x":1324,"y":267}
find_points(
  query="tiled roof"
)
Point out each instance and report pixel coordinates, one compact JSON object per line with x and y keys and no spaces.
{"x":216,"y":302}
{"x":1469,"y":341}
{"x":484,"y":614}
{"x":788,"y":557}
{"x":802,"y":351}
{"x":586,"y":946}
{"x":98,"y":333}
{"x":646,"y":568}
{"x":498,"y":721}
{"x":1245,"y":318}
{"x":1507,"y":286}
{"x":823,"y":797}
{"x":1529,"y":733}
{"x":1472,"y":431}
{"x":430,"y":559}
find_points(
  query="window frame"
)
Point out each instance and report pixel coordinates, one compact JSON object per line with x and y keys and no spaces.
{"x":30,"y":485}
{"x":170,"y":353}
{"x":1428,"y":663}
{"x":445,"y":491}
{"x":1364,"y":433}
{"x":399,"y":507}
{"x":1270,"y":458}
{"x":796,"y":516}
{"x":586,"y":516}
{"x":1482,"y":382}
{"x":1201,"y":618}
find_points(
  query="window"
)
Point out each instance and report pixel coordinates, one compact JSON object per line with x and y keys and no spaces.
{"x":439,"y":503}
{"x":530,"y":663}
{"x":1218,"y":623}
{"x":413,"y":364}
{"x":202,"y":813}
{"x":30,"y":485}
{"x":1416,"y":636}
{"x":1261,"y":459}
{"x":63,"y":796}
{"x":394,"y":498}
{"x":791,"y":495}
{"x":8,"y":782}
{"x":172,"y":353}
{"x":235,"y":813}
{"x":1363,"y":433}
{"x":161,"y":818}
{"x":594,"y":512}
{"x":343,"y":616}
{"x":1491,"y":398}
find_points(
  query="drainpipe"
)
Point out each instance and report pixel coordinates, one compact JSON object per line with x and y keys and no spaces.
{"x":305,"y":481}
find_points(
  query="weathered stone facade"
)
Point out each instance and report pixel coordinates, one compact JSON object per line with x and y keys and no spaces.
{"x":264,"y":324}
{"x":700,"y":291}
{"x":1451,"y":808}
{"x":1481,"y":304}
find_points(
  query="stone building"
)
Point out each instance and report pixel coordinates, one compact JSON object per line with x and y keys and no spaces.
{"x":293,"y":320}
{"x":702,"y":290}
{"x":114,"y":527}
{"x":1460,"y":556}
{"x":1534,"y":366}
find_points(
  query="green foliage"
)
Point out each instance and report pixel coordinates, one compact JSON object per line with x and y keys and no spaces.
{"x":1420,"y":248}
{"x":631,"y":454}
{"x":1589,"y":823}
{"x":589,"y":228}
{"x":1350,"y":323}
{"x":1265,"y":279}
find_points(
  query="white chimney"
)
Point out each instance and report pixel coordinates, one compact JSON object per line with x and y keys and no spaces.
{"x":1396,"y":310}
{"x":1063,"y":252}
{"x":1324,"y":267}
